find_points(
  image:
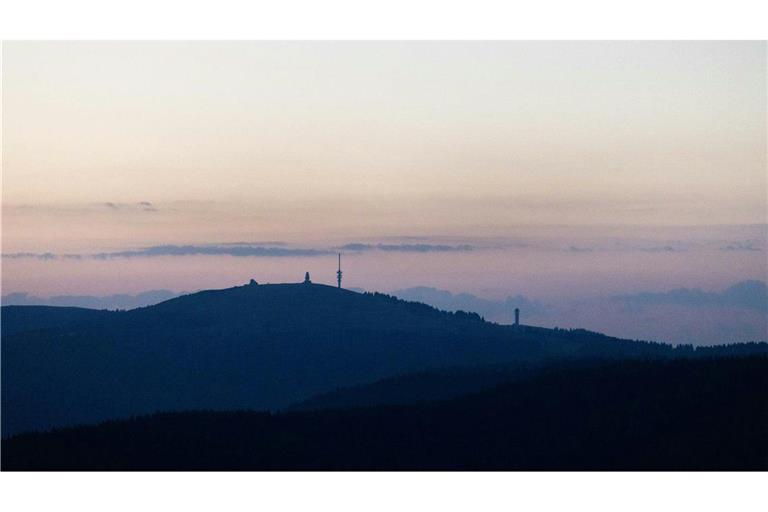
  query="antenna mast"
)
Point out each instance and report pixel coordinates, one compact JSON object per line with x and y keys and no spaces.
{"x":338,"y":273}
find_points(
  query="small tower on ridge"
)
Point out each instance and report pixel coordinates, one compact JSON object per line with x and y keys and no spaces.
{"x":338,"y":272}
{"x":306,"y":278}
{"x":517,"y":317}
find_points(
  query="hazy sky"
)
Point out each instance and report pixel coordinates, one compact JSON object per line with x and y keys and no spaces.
{"x":639,"y":147}
{"x":532,"y":130}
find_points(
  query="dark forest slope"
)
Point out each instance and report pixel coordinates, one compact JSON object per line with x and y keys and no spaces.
{"x":705,"y":414}
{"x":427,"y":386}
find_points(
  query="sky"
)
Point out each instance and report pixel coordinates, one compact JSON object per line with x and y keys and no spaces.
{"x":556,"y":170}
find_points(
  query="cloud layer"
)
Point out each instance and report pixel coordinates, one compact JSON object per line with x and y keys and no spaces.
{"x":180,"y":250}
{"x":746,"y":294}
{"x":212,"y":250}
{"x":405,"y":247}
{"x":239,"y":249}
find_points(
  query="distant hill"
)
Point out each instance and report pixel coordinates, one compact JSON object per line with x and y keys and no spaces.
{"x":116,"y":301}
{"x":447,"y":383}
{"x":688,"y":414}
{"x":252,"y":347}
{"x":427,"y":386}
{"x":15,"y":319}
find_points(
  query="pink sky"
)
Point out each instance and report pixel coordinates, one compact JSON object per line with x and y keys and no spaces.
{"x":572,"y":169}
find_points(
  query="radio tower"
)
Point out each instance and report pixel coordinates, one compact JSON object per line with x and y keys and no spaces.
{"x":338,"y":273}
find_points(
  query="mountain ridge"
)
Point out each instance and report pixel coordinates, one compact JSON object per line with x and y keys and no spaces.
{"x":253,"y":347}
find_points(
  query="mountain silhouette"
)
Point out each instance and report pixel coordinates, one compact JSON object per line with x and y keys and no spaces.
{"x":253,"y":347}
